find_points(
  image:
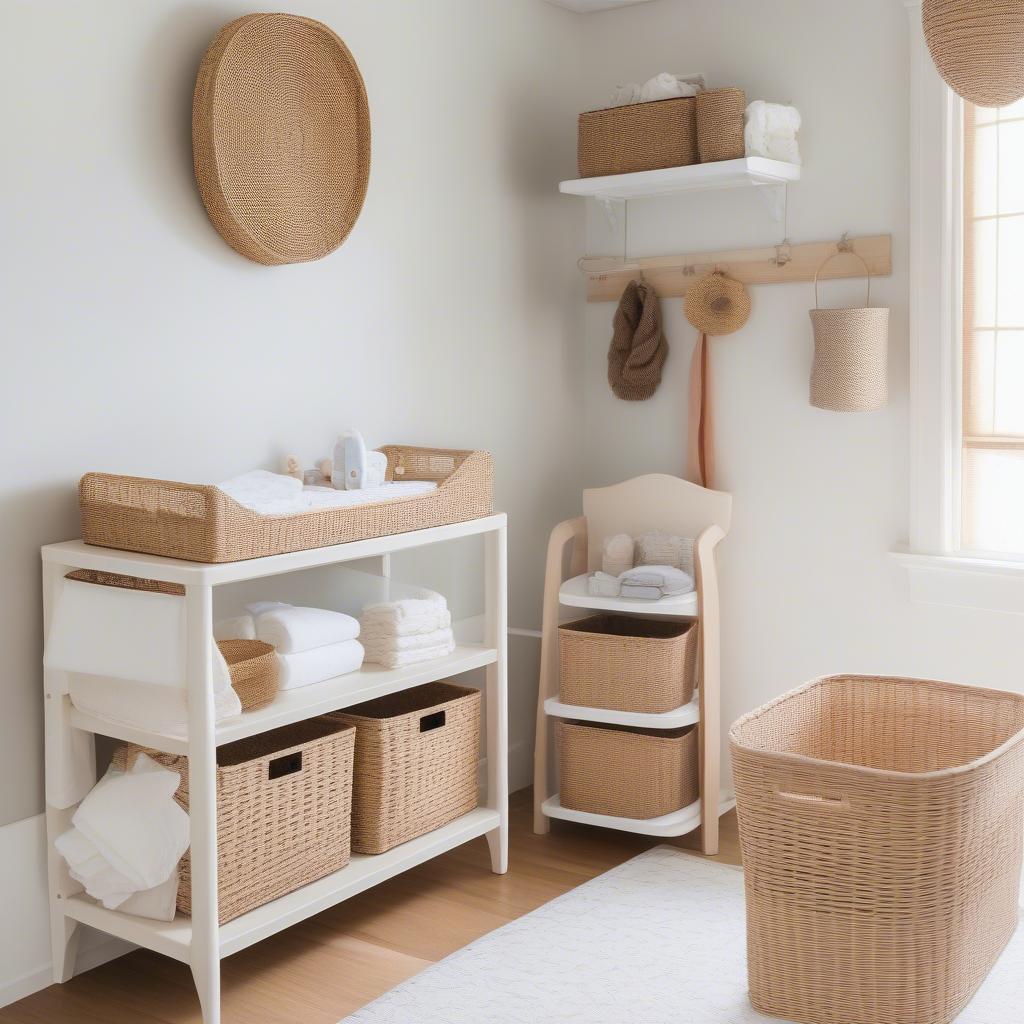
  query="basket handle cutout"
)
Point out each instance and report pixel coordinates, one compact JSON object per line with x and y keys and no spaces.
{"x":289,"y":764}
{"x":814,"y":799}
{"x":430,"y":722}
{"x":848,"y":250}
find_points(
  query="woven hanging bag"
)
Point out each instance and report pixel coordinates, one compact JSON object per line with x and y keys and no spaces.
{"x":978,"y":47}
{"x":849,"y":372}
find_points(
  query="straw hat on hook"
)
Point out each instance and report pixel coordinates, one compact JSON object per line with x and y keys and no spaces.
{"x":717,"y":304}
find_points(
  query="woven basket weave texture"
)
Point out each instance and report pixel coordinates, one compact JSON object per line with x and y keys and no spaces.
{"x":416,"y":762}
{"x":201,"y":523}
{"x":628,"y":773}
{"x":626,"y":664}
{"x":881,"y":830}
{"x":720,"y":124}
{"x":254,"y":671}
{"x":284,"y":802}
{"x":850,"y":368}
{"x":281,"y":138}
{"x":637,"y":137}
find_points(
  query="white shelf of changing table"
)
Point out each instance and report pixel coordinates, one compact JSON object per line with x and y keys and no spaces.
{"x":688,"y":714}
{"x":747,"y":172}
{"x":678,"y":823}
{"x":200,"y":941}
{"x":573,"y":593}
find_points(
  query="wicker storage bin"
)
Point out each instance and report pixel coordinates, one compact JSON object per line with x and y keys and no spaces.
{"x":201,"y":523}
{"x":880,"y":823}
{"x":720,"y":124}
{"x":254,"y":671}
{"x":612,"y":661}
{"x":629,"y":773}
{"x":416,"y":761}
{"x":637,"y":137}
{"x":284,"y":802}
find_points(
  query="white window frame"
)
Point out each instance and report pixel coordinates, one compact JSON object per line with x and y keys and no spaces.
{"x":939,"y":572}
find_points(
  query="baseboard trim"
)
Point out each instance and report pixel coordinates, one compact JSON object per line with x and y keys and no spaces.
{"x":35,"y":981}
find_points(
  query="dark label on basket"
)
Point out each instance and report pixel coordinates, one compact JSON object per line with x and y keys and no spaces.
{"x":434,"y":721}
{"x":287,"y":765}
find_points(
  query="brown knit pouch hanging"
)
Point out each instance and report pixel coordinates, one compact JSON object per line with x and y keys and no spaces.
{"x":638,"y":350}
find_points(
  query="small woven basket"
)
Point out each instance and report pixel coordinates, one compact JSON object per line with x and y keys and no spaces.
{"x":416,"y":763}
{"x":881,"y":829}
{"x":284,"y":801}
{"x":254,"y":671}
{"x":637,"y":137}
{"x":720,"y":124}
{"x":624,"y":664}
{"x":628,"y":773}
{"x":851,"y":351}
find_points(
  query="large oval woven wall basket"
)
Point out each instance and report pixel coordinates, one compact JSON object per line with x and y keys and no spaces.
{"x":281,"y":138}
{"x":978,"y":47}
{"x":851,"y":352}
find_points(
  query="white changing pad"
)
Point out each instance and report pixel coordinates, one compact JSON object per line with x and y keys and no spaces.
{"x":273,"y":494}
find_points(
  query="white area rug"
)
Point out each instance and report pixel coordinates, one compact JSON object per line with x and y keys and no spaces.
{"x":657,"y":940}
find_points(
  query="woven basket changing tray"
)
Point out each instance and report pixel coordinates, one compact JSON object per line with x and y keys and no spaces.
{"x":200,"y":523}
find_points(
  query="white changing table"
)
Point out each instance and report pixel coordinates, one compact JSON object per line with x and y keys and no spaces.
{"x":200,"y":941}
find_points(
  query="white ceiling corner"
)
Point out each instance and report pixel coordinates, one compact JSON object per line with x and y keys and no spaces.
{"x":589,"y":6}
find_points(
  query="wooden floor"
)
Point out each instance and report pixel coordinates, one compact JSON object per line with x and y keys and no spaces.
{"x":322,"y":969}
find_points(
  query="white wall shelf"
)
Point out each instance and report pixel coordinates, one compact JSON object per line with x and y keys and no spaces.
{"x":678,"y":823}
{"x":200,"y":940}
{"x":747,"y":172}
{"x":573,"y":594}
{"x":688,"y":714}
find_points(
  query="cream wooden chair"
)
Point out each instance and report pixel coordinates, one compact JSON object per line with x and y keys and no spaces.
{"x":653,"y":502}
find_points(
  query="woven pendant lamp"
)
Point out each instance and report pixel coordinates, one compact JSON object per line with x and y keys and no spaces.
{"x":978,"y":47}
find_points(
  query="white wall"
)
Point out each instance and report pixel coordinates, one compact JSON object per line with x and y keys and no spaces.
{"x":820,"y":498}
{"x":136,"y":341}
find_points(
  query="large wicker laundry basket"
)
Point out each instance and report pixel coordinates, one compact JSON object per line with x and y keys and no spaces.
{"x":881,"y":828}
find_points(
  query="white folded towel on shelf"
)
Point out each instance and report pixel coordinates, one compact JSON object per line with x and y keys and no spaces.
{"x":289,"y":630}
{"x":409,"y":616}
{"x":770,"y":131}
{"x":390,"y":658}
{"x":303,"y":668}
{"x":376,"y":642}
{"x":668,"y":580}
{"x":641,"y":591}
{"x":241,"y":627}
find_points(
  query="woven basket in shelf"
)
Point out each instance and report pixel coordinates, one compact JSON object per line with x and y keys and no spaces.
{"x":416,"y":761}
{"x":881,"y":824}
{"x":284,"y":801}
{"x":628,"y":773}
{"x":637,"y":137}
{"x":254,"y":671}
{"x":627,"y":664}
{"x":720,"y":124}
{"x":201,"y":523}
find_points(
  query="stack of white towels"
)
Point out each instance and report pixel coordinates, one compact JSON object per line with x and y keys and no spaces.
{"x":312,"y":644}
{"x":770,"y":131}
{"x":651,"y":566}
{"x":127,"y":837}
{"x":415,"y":629}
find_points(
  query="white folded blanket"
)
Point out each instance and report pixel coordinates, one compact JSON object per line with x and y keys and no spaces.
{"x":666,"y":578}
{"x":303,"y":668}
{"x":241,"y":627}
{"x":131,"y":823}
{"x":641,"y":591}
{"x":275,"y":494}
{"x":423,"y":614}
{"x":289,"y":630}
{"x":376,"y":643}
{"x":390,"y":658}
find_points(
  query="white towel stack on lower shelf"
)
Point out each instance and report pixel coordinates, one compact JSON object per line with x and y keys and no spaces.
{"x":406,"y":632}
{"x":127,"y":837}
{"x":312,"y":644}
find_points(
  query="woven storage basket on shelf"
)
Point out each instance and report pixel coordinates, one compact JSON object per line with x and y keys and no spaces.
{"x":416,"y":759}
{"x":720,"y":124}
{"x":254,"y":671}
{"x":628,"y":773}
{"x":281,"y":138}
{"x":637,"y":137}
{"x":625,"y":664}
{"x":880,"y":823}
{"x":284,"y":801}
{"x":978,"y":47}
{"x":851,"y":351}
{"x":201,"y":523}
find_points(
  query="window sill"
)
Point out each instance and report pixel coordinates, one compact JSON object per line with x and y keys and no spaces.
{"x":964,"y":582}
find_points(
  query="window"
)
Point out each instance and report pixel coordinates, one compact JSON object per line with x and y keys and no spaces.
{"x":992,"y":450}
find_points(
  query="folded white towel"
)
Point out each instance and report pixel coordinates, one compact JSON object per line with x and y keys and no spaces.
{"x":637,"y":590}
{"x":241,"y":627}
{"x":159,"y":903}
{"x":770,"y":131}
{"x":385,"y":625}
{"x":601,"y":584}
{"x":303,"y":668}
{"x":397,"y":659}
{"x":134,"y":823}
{"x":378,"y":643}
{"x":257,"y":608}
{"x":290,"y":630}
{"x":666,"y":578}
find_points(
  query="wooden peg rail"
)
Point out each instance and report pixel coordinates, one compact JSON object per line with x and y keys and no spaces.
{"x":673,"y":276}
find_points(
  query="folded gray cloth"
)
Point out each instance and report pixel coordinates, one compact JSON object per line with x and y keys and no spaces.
{"x":635,"y":590}
{"x":666,"y":578}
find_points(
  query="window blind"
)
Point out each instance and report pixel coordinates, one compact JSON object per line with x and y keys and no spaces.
{"x":992,"y":464}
